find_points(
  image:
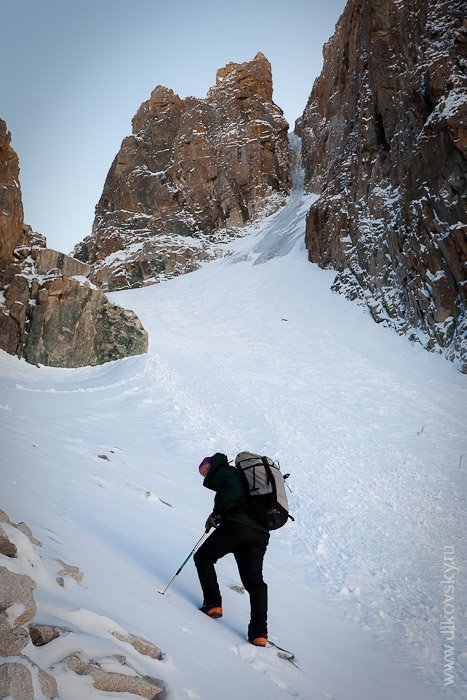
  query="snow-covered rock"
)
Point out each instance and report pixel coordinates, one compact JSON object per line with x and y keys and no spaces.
{"x":50,"y":313}
{"x":36,"y":654}
{"x":384,"y":145}
{"x":193,"y":172}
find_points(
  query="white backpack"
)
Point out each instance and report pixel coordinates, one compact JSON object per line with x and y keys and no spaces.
{"x":268,"y":503}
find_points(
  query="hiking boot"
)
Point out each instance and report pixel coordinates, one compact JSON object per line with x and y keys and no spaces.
{"x":214,"y":611}
{"x":258,"y":641}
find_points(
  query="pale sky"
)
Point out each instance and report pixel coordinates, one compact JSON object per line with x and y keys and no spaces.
{"x":74,"y":72}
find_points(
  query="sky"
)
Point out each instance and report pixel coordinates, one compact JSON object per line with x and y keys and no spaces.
{"x":73,"y":75}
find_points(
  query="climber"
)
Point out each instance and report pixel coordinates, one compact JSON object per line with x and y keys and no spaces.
{"x":237,"y":533}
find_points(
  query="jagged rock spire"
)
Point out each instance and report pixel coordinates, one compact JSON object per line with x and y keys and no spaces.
{"x":192,"y":171}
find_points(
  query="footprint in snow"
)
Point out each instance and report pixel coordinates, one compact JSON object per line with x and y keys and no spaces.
{"x":262,"y":660}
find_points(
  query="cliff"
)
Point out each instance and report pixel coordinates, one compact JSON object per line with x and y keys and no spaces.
{"x":384,"y":144}
{"x":192,"y":173}
{"x":11,"y":204}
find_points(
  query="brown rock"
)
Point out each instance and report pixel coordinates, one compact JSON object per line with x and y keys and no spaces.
{"x":48,"y":684}
{"x":5,"y":517}
{"x":48,"y":260}
{"x":17,"y":588}
{"x":9,"y":332}
{"x":43,"y":634}
{"x":7,"y":548}
{"x":9,"y":272}
{"x":11,"y":221}
{"x":16,"y":682}
{"x":191,"y":168}
{"x":391,"y":218}
{"x":252,"y":78}
{"x":17,"y":607}
{"x":141,"y":645}
{"x":70,"y":570}
{"x":74,"y":324}
{"x":12,"y":639}
{"x":17,"y":291}
{"x":49,"y":314}
{"x":111,"y":682}
{"x":22,"y":527}
{"x":18,"y":313}
{"x":53,"y":316}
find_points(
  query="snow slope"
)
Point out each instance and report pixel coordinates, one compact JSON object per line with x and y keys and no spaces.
{"x":250,"y":352}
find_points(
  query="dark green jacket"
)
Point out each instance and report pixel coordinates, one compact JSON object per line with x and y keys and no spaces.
{"x":231,"y":499}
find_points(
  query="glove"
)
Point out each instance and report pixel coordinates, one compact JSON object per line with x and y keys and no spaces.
{"x":212,"y":521}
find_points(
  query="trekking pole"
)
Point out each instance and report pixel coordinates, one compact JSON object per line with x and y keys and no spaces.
{"x":181,"y":567}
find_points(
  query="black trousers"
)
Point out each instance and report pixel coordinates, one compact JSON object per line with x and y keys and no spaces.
{"x":248,"y":545}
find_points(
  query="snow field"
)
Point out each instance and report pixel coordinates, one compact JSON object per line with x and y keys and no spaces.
{"x":250,"y":352}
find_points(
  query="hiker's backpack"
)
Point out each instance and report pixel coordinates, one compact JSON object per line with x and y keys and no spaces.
{"x":266,"y":486}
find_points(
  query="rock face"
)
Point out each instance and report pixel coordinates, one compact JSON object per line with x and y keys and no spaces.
{"x":49,"y":311}
{"x":384,"y":144}
{"x":51,"y":314}
{"x":11,"y":205}
{"x":192,"y":171}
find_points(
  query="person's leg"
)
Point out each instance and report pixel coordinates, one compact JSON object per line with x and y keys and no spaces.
{"x":217,"y":545}
{"x":249,"y":558}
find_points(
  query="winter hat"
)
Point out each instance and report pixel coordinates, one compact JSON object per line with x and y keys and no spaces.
{"x":205,"y":466}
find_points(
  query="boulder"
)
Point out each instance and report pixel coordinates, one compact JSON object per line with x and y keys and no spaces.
{"x":44,"y":634}
{"x":16,"y":682}
{"x":7,"y":548}
{"x":384,"y":145}
{"x":47,"y":683}
{"x":112,"y":682}
{"x":48,"y":260}
{"x":192,"y":173}
{"x":17,"y":607}
{"x":142,"y":646}
{"x":12,"y":639}
{"x":74,"y":324}
{"x":51,"y":314}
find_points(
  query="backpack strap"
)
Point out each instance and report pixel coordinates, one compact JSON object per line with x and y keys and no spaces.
{"x":270,"y":479}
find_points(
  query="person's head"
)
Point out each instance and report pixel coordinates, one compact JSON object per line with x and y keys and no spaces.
{"x":205,"y":466}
